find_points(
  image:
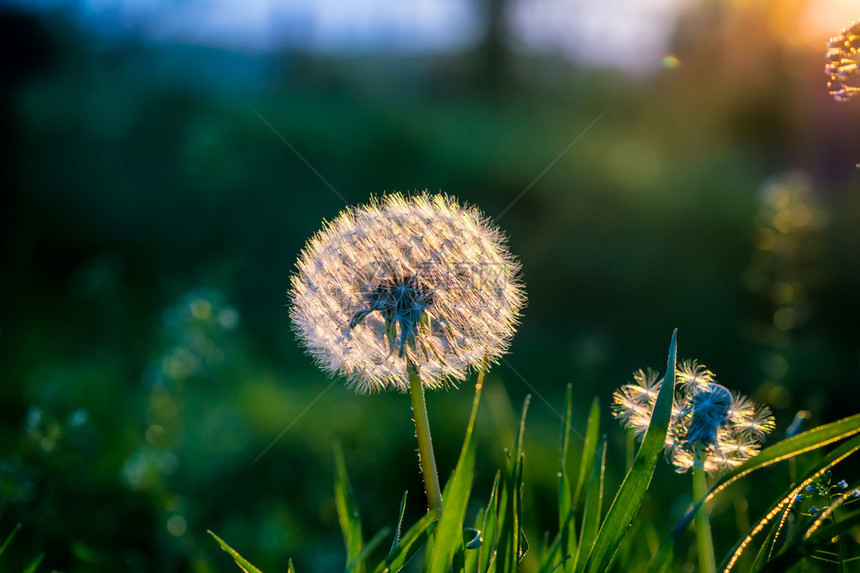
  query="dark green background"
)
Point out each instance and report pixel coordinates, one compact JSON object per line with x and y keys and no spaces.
{"x":140,"y":185}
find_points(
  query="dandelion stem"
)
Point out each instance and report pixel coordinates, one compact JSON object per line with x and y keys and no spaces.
{"x":704,"y":541}
{"x":425,"y":443}
{"x":631,"y":449}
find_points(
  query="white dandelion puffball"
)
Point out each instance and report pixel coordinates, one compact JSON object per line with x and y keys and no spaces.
{"x":420,"y":279}
{"x":729,"y":427}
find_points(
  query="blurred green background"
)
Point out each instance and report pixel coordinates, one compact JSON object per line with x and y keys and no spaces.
{"x":151,"y":218}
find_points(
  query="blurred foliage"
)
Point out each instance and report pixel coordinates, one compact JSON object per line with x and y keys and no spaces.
{"x":150,"y":221}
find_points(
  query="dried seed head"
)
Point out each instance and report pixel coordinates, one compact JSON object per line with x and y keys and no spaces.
{"x":417,"y":278}
{"x":843,"y":53}
{"x":728,"y":426}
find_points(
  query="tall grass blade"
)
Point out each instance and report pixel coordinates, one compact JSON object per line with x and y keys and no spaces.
{"x":243,"y":563}
{"x":510,"y":548}
{"x":593,"y":507}
{"x":767,"y":547}
{"x":790,"y":447}
{"x":589,"y":449}
{"x":347,"y":511}
{"x":491,"y":530}
{"x":785,"y":449}
{"x":632,"y":491}
{"x":449,"y":536}
{"x":791,"y":555}
{"x":785,"y":501}
{"x":567,"y":530}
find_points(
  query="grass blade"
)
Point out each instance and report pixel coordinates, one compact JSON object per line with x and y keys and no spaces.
{"x":243,"y":563}
{"x":552,"y":557}
{"x":801,"y":443}
{"x":9,"y":538}
{"x":632,"y":491}
{"x":786,"y":500}
{"x":766,"y":549}
{"x":510,"y":502}
{"x":791,"y":555}
{"x":593,"y":507}
{"x":566,"y":528}
{"x":790,"y":447}
{"x":410,"y":544}
{"x":34,"y":564}
{"x":449,"y":536}
{"x":488,"y":550}
{"x":399,"y":523}
{"x":347,"y":511}
{"x":589,"y":449}
{"x":375,"y":541}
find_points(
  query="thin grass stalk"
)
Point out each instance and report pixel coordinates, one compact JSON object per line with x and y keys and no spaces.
{"x":631,"y":450}
{"x":425,"y":443}
{"x":704,"y":541}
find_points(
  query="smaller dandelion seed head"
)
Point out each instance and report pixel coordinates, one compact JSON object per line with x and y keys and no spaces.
{"x":728,"y":427}
{"x":841,"y":65}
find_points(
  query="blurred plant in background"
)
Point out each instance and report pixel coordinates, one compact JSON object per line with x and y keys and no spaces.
{"x":784,"y":267}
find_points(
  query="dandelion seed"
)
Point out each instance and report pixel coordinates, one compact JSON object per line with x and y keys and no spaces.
{"x":842,"y":484}
{"x":813,"y":510}
{"x":691,"y":372}
{"x":420,"y":279}
{"x":728,"y":427}
{"x":843,"y":52}
{"x":633,"y":403}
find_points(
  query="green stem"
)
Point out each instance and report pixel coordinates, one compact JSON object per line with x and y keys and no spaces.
{"x":425,"y":443}
{"x":631,"y":449}
{"x":704,"y":542}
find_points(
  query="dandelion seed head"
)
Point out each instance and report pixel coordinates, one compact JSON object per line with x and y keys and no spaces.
{"x":419,"y":278}
{"x":727,"y":426}
{"x":843,"y":54}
